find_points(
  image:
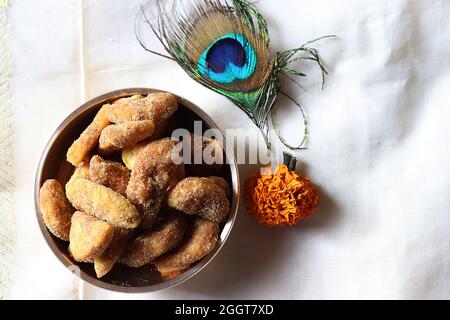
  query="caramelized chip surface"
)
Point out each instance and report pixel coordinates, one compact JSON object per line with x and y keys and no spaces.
{"x":55,"y":209}
{"x":105,"y":262}
{"x":89,"y":237}
{"x":103,"y":203}
{"x":145,"y":248}
{"x":202,"y":241}
{"x":157,"y":107}
{"x":200,"y":196}
{"x":110,"y":174}
{"x":89,"y":139}
{"x":116,"y":137}
{"x":152,"y":175}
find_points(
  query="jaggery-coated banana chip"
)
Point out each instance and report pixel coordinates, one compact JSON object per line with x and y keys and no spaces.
{"x":87,"y":141}
{"x":55,"y":209}
{"x":200,"y":196}
{"x":110,"y":174}
{"x":157,"y":107}
{"x":80,"y":172}
{"x":145,"y":248}
{"x":116,"y":137}
{"x":89,"y":237}
{"x":162,"y":129}
{"x":105,"y":262}
{"x":129,"y":155}
{"x":221,"y":182}
{"x":153,"y":174}
{"x":202,"y":241}
{"x":103,"y":203}
{"x":127,"y":100}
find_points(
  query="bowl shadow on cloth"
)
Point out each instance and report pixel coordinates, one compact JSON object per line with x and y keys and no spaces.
{"x":254,"y":252}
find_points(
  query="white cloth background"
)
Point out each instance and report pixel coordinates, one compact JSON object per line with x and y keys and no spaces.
{"x":7,"y":187}
{"x":379,"y":148}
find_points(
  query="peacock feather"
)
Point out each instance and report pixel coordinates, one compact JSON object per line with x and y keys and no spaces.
{"x":225,"y":46}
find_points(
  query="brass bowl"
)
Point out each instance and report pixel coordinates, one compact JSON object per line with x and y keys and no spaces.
{"x":53,"y":165}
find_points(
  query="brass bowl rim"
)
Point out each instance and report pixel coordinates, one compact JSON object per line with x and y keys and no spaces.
{"x":226,"y":230}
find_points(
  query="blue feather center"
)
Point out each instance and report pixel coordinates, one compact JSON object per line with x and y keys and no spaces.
{"x":228,"y":59}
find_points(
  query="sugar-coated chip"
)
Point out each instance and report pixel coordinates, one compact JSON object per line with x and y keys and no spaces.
{"x":88,"y":140}
{"x":127,"y":100}
{"x":152,"y":244}
{"x":110,"y":174}
{"x":81,"y":172}
{"x":55,"y":209}
{"x":153,"y":174}
{"x":103,"y":203}
{"x":221,"y":182}
{"x":89,"y":237}
{"x":202,"y":241}
{"x":129,"y":154}
{"x":116,"y":137}
{"x":105,"y":262}
{"x":200,"y":196}
{"x":157,"y":107}
{"x":162,"y":129}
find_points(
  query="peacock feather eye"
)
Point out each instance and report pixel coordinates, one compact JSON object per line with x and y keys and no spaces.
{"x":225,"y":46}
{"x":228,"y":59}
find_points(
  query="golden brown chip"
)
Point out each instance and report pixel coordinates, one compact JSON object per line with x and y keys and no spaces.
{"x":105,"y":262}
{"x":162,"y":129}
{"x":129,"y":155}
{"x":127,"y":100}
{"x":55,"y":209}
{"x":221,"y":182}
{"x":156,"y":107}
{"x":89,"y":237}
{"x":87,"y":141}
{"x":200,"y":196}
{"x":145,"y":248}
{"x":80,"y":172}
{"x":109,"y":174}
{"x":103,"y":203}
{"x":203,"y":240}
{"x":153,"y":174}
{"x":116,"y":137}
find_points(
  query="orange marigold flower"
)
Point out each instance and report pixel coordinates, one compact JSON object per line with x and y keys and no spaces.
{"x":280,"y":199}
